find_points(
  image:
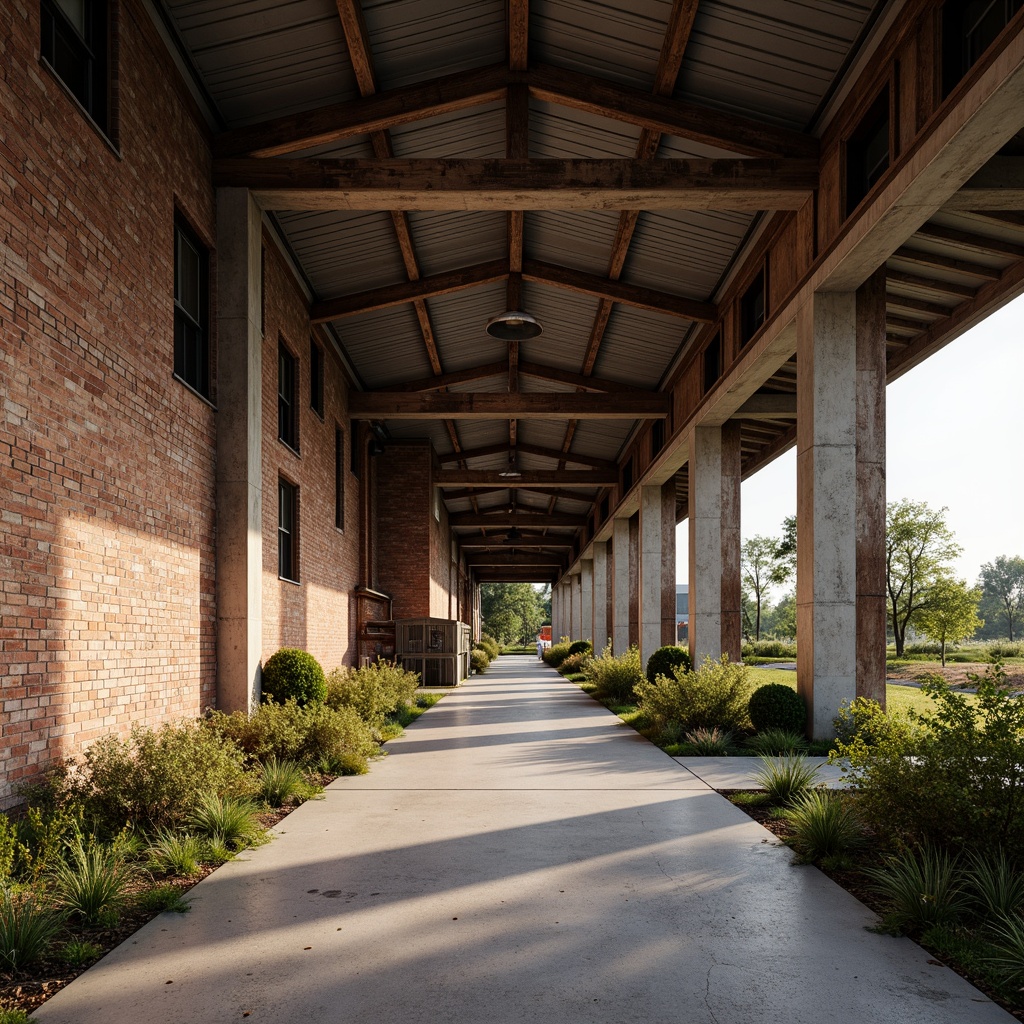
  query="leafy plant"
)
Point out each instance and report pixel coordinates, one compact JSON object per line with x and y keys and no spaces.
{"x":920,"y":888}
{"x":614,"y":677}
{"x":777,"y":706}
{"x":14,"y":1016}
{"x":778,"y":741}
{"x":375,"y":692}
{"x":581,"y":647}
{"x":91,"y":882}
{"x":786,"y":778}
{"x":716,"y":694}
{"x":478,"y":661}
{"x":230,"y":819}
{"x":163,"y":898}
{"x":1008,"y":958}
{"x":26,"y":930}
{"x":281,"y":782}
{"x":995,"y":886}
{"x":826,"y":826}
{"x":557,"y":653}
{"x":293,"y":674}
{"x":665,"y":660}
{"x":80,"y":951}
{"x":490,"y":645}
{"x":176,"y":853}
{"x":769,"y":649}
{"x":709,"y":742}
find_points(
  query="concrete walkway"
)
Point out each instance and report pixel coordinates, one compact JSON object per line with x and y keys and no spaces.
{"x":520,"y":855}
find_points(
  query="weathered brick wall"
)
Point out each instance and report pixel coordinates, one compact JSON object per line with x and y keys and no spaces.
{"x":317,"y":613}
{"x":106,"y":461}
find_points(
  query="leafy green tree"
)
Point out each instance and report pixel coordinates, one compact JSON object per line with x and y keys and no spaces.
{"x":781,"y":620}
{"x":785,"y":553}
{"x":758,"y":560}
{"x":512,"y":612}
{"x":1002,"y":583}
{"x":951,"y":614}
{"x":918,"y":549}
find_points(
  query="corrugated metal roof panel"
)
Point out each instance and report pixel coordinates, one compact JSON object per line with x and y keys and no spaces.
{"x":638,"y":345}
{"x":386,"y":346}
{"x":581,"y":240}
{"x":459,"y":328}
{"x":558,"y":133}
{"x":567,"y":319}
{"x":446,"y":241}
{"x":474,"y":134}
{"x":601,"y":438}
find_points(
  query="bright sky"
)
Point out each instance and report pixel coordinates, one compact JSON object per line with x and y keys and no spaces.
{"x":954,"y":432}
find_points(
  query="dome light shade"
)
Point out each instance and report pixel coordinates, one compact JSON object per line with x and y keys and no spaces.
{"x":514,"y":326}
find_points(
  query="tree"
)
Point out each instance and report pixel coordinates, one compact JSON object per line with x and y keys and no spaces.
{"x":1002,"y":582}
{"x":951,"y":614}
{"x":512,"y":612}
{"x":785,"y":553}
{"x":758,"y":559}
{"x":918,"y":547}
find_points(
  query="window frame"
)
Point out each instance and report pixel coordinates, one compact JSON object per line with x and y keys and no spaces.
{"x":711,"y":368}
{"x":859,"y":178}
{"x":750,"y":321}
{"x":287,"y":531}
{"x":287,"y":394}
{"x":195,"y":349}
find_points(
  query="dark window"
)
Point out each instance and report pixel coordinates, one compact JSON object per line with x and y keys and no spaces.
{"x":339,"y":478}
{"x":752,"y":309}
{"x":713,"y":363}
{"x":627,"y":476}
{"x":603,"y":510}
{"x":657,"y":437}
{"x":316,"y":378}
{"x":867,"y":151}
{"x":287,"y":371}
{"x":191,"y":310}
{"x":75,"y":44}
{"x":287,"y":531}
{"x":968,"y":30}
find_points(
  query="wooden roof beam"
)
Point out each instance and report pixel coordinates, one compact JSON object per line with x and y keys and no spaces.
{"x":588,"y":478}
{"x":516,"y":557}
{"x":446,"y":380}
{"x":502,"y":448}
{"x":999,"y":185}
{"x":484,"y":405}
{"x":545,"y":540}
{"x":503,"y":520}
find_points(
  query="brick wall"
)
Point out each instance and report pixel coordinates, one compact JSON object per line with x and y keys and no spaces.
{"x":106,"y":462}
{"x":317,"y":613}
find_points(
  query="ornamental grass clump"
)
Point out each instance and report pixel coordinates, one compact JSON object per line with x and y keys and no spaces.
{"x":91,"y":882}
{"x":994,"y":886}
{"x":615,"y":677}
{"x":282,"y":782}
{"x":709,"y":742}
{"x":778,"y":741}
{"x":27,"y":927}
{"x":921,"y":889}
{"x":786,"y":778}
{"x":826,"y":827}
{"x":176,"y":853}
{"x":714,"y":695}
{"x":375,"y":692}
{"x":230,"y":820}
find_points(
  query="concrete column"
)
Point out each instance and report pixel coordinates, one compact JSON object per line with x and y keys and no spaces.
{"x":841,"y":500}
{"x":714,"y":543}
{"x":600,"y":604}
{"x":657,"y":568}
{"x":620,"y":586}
{"x":634,"y":580}
{"x":239,"y":450}
{"x":587,"y":600}
{"x":576,"y":626}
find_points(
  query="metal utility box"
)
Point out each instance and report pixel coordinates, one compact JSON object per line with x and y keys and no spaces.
{"x":438,"y":649}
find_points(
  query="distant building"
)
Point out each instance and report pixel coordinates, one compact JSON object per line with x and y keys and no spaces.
{"x":682,"y":612}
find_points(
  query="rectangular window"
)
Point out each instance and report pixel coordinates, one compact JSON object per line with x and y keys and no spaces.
{"x":191,"y":310}
{"x":657,"y":437}
{"x":868,"y":151}
{"x":753,"y":309}
{"x":287,"y":531}
{"x":969,"y":28}
{"x":287,"y":420}
{"x":75,"y":43}
{"x":339,"y":478}
{"x":712,"y":363}
{"x":316,"y":378}
{"x":627,"y":476}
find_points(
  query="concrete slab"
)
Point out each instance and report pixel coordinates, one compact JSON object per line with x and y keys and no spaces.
{"x":740,"y":772}
{"x":519,"y":857}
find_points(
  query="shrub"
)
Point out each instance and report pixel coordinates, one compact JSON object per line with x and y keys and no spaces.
{"x":709,"y":742}
{"x":229,"y":819}
{"x":777,"y":706}
{"x":79,"y":951}
{"x":574,"y":663}
{"x":1008,"y":959}
{"x":163,"y":899}
{"x":826,"y":826}
{"x":769,"y":649}
{"x":665,"y":660}
{"x":156,"y":777}
{"x":921,"y":889}
{"x":336,"y":741}
{"x":581,"y":647}
{"x":478,"y":660}
{"x":785,"y":779}
{"x":281,"y":782}
{"x":374,"y":691}
{"x":954,"y":782}
{"x":614,"y":678}
{"x":716,"y":694}
{"x":994,"y":886}
{"x":26,"y":930}
{"x":778,"y":741}
{"x":293,"y":674}
{"x":92,"y":883}
{"x":557,"y":653}
{"x":490,"y":645}
{"x":867,"y":723}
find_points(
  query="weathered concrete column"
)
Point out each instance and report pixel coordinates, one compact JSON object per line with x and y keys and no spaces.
{"x":657,"y":568}
{"x":841,"y":500}
{"x":239,"y":450}
{"x":620,"y":586}
{"x":587,"y":599}
{"x":600,"y":603}
{"x":714,"y":536}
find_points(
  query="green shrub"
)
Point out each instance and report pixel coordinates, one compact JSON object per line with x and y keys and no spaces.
{"x":716,"y":694}
{"x":1008,"y":958}
{"x":92,"y":883}
{"x":79,"y":951}
{"x":709,"y":742}
{"x":575,"y":663}
{"x":26,"y":930}
{"x":994,"y":885}
{"x":581,"y":647}
{"x":921,"y":889}
{"x":282,"y":782}
{"x":952,"y":779}
{"x":785,"y":778}
{"x":778,"y":741}
{"x":614,"y":677}
{"x":42,"y":834}
{"x":16,"y":1016}
{"x":490,"y":645}
{"x":163,"y":899}
{"x":156,"y":777}
{"x":375,"y":691}
{"x":769,"y":649}
{"x":557,"y":653}
{"x":826,"y":826}
{"x":231,"y":820}
{"x":478,"y":660}
{"x":777,"y":706}
{"x":665,"y":660}
{"x":291,"y":674}
{"x":336,"y":741}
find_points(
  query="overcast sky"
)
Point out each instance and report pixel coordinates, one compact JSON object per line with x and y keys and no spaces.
{"x":954,"y":437}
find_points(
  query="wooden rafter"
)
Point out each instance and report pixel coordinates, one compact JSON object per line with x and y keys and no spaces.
{"x":586,"y":478}
{"x":492,"y":405}
{"x":516,"y":557}
{"x":485,"y":451}
{"x":524,"y":540}
{"x":445,"y":380}
{"x":503,"y":520}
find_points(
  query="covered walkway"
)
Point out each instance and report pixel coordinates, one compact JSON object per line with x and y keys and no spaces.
{"x":519,"y":855}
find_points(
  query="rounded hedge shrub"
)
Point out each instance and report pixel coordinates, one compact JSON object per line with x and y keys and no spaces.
{"x":665,"y":659}
{"x":777,"y":706}
{"x":478,"y":660}
{"x":581,"y":647}
{"x":291,"y":674}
